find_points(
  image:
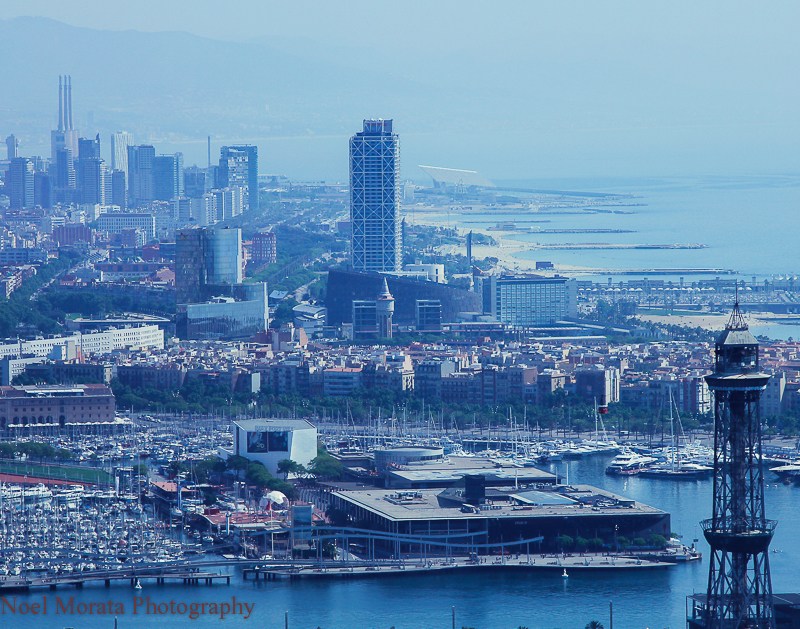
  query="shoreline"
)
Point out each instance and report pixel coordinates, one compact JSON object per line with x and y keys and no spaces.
{"x":587,"y":563}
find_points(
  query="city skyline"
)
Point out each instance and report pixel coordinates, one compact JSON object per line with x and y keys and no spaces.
{"x":652,"y":97}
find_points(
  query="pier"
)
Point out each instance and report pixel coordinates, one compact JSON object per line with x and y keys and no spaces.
{"x":552,"y":563}
{"x":188,"y":575}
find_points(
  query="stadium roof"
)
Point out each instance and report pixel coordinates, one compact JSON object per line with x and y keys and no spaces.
{"x":456,"y":177}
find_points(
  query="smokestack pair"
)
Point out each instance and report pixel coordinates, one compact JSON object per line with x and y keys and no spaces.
{"x":65,"y":103}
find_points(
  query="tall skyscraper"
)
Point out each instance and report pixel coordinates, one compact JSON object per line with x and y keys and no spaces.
{"x":196,"y":182}
{"x":93,"y":174}
{"x":119,"y":189}
{"x":42,"y":189}
{"x":12,"y":144}
{"x":168,"y":177}
{"x":64,"y":176}
{"x":20,"y":183}
{"x":89,"y":147}
{"x":375,"y":198}
{"x":238,"y":166}
{"x":120,"y":141}
{"x":140,"y":174}
{"x":90,"y":171}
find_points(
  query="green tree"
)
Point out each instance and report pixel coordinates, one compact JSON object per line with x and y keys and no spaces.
{"x":287,"y":466}
{"x":324,"y":466}
{"x":237,"y":464}
{"x":258,"y":475}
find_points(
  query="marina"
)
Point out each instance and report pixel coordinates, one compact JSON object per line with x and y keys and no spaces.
{"x":84,"y":537}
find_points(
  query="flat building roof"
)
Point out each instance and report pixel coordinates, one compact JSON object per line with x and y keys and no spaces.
{"x":427,"y":504}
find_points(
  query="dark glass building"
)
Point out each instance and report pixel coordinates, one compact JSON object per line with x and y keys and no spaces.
{"x":168,"y":177}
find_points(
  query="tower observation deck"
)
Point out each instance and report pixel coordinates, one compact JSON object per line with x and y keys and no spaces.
{"x":739,"y":585}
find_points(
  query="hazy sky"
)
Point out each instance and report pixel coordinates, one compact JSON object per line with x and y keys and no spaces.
{"x":585,"y":88}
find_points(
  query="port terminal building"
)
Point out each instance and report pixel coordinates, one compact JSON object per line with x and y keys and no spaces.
{"x":491,"y":517}
{"x":476,"y":504}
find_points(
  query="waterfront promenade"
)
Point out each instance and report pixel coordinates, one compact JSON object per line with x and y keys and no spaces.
{"x":195,"y":573}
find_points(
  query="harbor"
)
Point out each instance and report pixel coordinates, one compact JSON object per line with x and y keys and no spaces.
{"x":121,"y":537}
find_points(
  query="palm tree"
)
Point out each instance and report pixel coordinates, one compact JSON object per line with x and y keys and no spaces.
{"x":594,"y":624}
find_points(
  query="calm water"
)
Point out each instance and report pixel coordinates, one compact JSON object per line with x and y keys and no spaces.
{"x":750,"y":224}
{"x":493,"y":600}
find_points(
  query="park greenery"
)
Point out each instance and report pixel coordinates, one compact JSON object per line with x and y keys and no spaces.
{"x":101,"y":301}
{"x":16,"y":314}
{"x":32,"y":450}
{"x":214,"y":471}
{"x":552,"y":414}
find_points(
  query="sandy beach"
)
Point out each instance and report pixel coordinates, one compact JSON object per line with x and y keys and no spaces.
{"x":711,"y":321}
{"x":506,"y":250}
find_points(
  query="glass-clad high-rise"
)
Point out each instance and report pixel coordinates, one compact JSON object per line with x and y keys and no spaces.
{"x":375,"y":198}
{"x":238,"y":167}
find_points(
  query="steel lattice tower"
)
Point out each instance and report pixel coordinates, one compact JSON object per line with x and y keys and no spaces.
{"x":739,"y":583}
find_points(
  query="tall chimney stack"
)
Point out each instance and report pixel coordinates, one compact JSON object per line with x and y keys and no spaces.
{"x":60,"y":105}
{"x":69,"y":102}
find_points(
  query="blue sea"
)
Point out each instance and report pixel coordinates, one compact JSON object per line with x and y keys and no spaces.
{"x":750,"y":224}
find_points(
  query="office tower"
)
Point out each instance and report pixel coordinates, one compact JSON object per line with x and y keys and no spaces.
{"x":20,"y":183}
{"x":12,"y":144}
{"x":739,"y":584}
{"x":42,"y":189}
{"x":168,"y":177}
{"x":196,"y":182}
{"x":384,"y":310}
{"x":365,"y":319}
{"x":238,"y":166}
{"x":375,"y":198}
{"x":229,"y":202}
{"x":428,"y":315}
{"x":140,"y":174}
{"x":87,"y":174}
{"x":65,"y":136}
{"x":89,"y":148}
{"x":93,"y":180}
{"x":120,"y":141}
{"x":264,"y":249}
{"x":224,"y":256}
{"x":206,"y":257}
{"x":64,"y":176}
{"x":119,"y":189}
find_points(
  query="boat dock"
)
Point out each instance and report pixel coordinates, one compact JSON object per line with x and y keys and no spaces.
{"x":159,"y":576}
{"x":586,"y":563}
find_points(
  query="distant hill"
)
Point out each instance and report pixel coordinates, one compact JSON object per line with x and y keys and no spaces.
{"x":533,"y":95}
{"x":171,"y":87}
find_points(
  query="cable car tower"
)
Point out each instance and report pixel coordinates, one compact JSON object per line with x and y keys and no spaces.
{"x":739,"y":584}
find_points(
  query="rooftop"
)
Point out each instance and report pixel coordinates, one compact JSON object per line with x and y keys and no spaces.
{"x":267,"y":425}
{"x":426,"y":504}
